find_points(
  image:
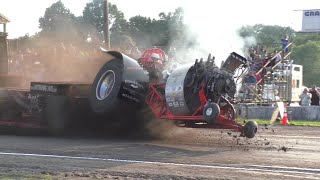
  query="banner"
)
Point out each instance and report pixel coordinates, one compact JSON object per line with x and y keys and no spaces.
{"x":279,"y":108}
{"x":311,"y":21}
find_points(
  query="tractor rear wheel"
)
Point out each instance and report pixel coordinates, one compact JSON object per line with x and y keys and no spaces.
{"x":106,"y":86}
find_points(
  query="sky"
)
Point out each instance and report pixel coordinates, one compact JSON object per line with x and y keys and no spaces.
{"x":215,"y":21}
{"x":24,"y":14}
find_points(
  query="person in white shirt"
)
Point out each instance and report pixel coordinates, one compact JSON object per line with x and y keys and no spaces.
{"x":305,"y":98}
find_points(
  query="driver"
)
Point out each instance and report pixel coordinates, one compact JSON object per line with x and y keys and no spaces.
{"x":153,"y":60}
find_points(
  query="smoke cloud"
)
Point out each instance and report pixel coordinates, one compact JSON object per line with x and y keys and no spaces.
{"x":216,"y":26}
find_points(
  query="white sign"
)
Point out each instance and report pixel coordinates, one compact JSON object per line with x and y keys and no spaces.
{"x":311,"y":21}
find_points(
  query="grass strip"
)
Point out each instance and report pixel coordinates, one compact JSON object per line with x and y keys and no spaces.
{"x":291,"y":122}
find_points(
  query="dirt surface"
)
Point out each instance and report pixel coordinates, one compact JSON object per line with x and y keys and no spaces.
{"x":277,"y":152}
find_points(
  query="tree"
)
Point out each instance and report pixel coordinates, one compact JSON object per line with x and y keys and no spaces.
{"x":93,"y":15}
{"x":303,"y":38}
{"x":140,"y":29}
{"x":58,"y":22}
{"x":308,"y":55}
{"x":180,"y":34}
{"x":267,"y":36}
{"x":23,"y":41}
{"x":120,"y":24}
{"x":168,"y":30}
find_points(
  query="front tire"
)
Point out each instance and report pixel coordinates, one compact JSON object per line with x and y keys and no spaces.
{"x":250,"y":129}
{"x":211,"y":113}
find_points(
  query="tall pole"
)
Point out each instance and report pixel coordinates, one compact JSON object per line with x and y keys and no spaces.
{"x":106,"y":23}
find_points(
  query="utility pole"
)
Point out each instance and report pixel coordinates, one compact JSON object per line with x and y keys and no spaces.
{"x":106,"y":23}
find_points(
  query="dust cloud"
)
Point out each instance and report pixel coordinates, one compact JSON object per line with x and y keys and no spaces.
{"x":49,"y":61}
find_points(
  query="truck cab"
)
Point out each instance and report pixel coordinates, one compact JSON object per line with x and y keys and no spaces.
{"x":296,"y":85}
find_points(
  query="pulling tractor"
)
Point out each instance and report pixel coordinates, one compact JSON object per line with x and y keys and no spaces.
{"x":196,"y":95}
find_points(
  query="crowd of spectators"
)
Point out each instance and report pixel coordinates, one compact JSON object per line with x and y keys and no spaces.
{"x":310,"y":97}
{"x":259,"y":58}
{"x":261,"y":62}
{"x":49,"y":63}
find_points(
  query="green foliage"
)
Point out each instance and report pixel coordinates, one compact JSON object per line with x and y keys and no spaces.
{"x":308,"y":55}
{"x":141,"y":30}
{"x":24,"y":40}
{"x":305,"y":123}
{"x":291,"y":122}
{"x":179,"y":33}
{"x":168,"y":30}
{"x":120,"y":24}
{"x":267,"y":36}
{"x":61,"y":25}
{"x":93,"y":15}
{"x":146,"y":32}
{"x":58,"y":22}
{"x":303,"y":38}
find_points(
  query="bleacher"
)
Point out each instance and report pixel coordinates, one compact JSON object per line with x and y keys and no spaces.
{"x":273,"y":81}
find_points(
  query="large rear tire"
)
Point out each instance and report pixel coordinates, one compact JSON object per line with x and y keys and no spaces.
{"x":106,"y":86}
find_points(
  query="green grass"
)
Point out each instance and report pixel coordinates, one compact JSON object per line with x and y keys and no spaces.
{"x":22,"y":177}
{"x":291,"y":122}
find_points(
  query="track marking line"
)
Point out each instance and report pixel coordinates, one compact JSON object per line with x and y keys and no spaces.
{"x":291,"y":136}
{"x":256,"y":168}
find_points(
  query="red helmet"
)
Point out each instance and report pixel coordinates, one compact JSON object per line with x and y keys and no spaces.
{"x":152,"y":59}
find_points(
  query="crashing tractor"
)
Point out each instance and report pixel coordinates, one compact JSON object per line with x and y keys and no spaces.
{"x":195,"y":95}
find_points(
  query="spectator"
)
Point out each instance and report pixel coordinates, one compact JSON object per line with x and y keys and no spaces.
{"x":269,"y":59}
{"x":258,"y":77}
{"x":250,"y":82}
{"x":314,"y":96}
{"x":263,"y":52}
{"x":285,"y":43}
{"x":251,"y":78}
{"x":305,"y":98}
{"x":278,"y":56}
{"x":252,"y":53}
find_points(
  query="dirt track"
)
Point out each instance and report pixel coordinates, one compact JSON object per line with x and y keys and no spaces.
{"x":276,"y":153}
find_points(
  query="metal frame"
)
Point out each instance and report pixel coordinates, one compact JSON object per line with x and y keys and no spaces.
{"x":156,"y":102}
